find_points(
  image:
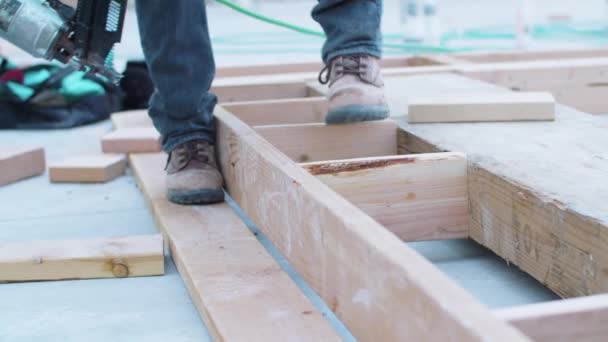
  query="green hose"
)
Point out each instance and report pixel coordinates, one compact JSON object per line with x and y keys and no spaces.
{"x":269,"y":20}
{"x":547,"y":32}
{"x":300,"y":29}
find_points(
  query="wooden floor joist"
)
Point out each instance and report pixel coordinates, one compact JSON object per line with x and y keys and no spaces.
{"x":379,"y":287}
{"x":417,"y":197}
{"x":260,"y":91}
{"x":240,"y":291}
{"x":119,"y":257}
{"x":318,"y":141}
{"x":280,"y":112}
{"x":580,"y":319}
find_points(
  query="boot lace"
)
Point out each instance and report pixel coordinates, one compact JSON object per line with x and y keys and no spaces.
{"x":188,"y":152}
{"x":347,"y":65}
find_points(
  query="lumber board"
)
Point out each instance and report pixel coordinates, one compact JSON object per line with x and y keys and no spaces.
{"x":131,"y":140}
{"x":417,"y":197}
{"x":18,"y":163}
{"x":88,"y":168}
{"x":481,"y":107}
{"x":318,"y":141}
{"x":237,"y":272}
{"x":537,"y":190}
{"x":280,"y":112}
{"x":314,"y":67}
{"x":531,"y":55}
{"x":525,"y":74}
{"x":580,"y":319}
{"x":380,"y":288}
{"x":240,"y":291}
{"x":117,"y":257}
{"x":264,"y":90}
{"x":131,"y":119}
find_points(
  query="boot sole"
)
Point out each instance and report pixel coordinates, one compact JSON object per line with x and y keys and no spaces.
{"x":196,"y":196}
{"x":356,"y":113}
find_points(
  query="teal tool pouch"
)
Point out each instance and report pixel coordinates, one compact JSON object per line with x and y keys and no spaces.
{"x":46,"y":96}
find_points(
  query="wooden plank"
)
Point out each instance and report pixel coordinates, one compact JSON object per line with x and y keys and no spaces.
{"x":17,"y":163}
{"x":131,"y":140}
{"x":581,"y":319}
{"x":417,"y":197}
{"x":311,"y":67}
{"x":472,"y":107}
{"x":88,"y":168}
{"x":535,"y":75}
{"x":314,"y":142}
{"x":261,"y":91}
{"x":537,"y":190}
{"x":532,"y":55}
{"x":280,"y":112}
{"x":130,"y":119}
{"x":239,"y":290}
{"x":440,"y":59}
{"x":119,"y":257}
{"x":380,"y":288}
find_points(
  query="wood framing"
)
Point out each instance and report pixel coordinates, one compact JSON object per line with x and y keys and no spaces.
{"x":280,"y":112}
{"x":481,"y":107}
{"x":580,"y":319}
{"x":536,"y":190}
{"x":318,"y":141}
{"x":261,"y":91}
{"x":417,"y":197}
{"x":119,"y":257}
{"x":344,"y":255}
{"x":239,"y":290}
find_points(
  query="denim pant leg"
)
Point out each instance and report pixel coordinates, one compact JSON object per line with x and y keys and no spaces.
{"x":352,"y":27}
{"x":177,"y":47}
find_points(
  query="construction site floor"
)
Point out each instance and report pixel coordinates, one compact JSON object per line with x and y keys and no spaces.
{"x":159,"y":308}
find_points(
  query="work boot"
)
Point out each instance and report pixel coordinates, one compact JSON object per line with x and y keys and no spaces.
{"x":192,"y":174}
{"x":356,"y":89}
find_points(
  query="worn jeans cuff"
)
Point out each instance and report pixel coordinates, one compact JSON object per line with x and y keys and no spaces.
{"x":172,"y":143}
{"x":367,"y":49}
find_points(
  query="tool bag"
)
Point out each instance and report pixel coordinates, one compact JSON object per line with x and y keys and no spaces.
{"x":46,"y":96}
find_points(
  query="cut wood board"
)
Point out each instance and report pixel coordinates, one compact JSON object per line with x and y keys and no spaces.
{"x":131,"y":119}
{"x":260,"y":91}
{"x":280,"y":112}
{"x":88,"y":168}
{"x":580,"y":319}
{"x":537,"y":190}
{"x":120,"y":257}
{"x":240,"y":291}
{"x":531,"y":55}
{"x":17,"y":163}
{"x":316,"y":141}
{"x":131,"y":140}
{"x":480,"y":107}
{"x":417,"y":197}
{"x":380,"y":288}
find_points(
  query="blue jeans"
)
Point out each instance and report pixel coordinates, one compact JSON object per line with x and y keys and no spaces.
{"x":177,"y":48}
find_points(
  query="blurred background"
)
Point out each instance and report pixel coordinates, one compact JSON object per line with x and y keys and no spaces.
{"x":409,"y":27}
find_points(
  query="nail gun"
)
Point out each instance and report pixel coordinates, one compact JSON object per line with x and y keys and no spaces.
{"x":82,"y":37}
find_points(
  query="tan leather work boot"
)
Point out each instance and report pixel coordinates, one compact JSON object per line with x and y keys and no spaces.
{"x":192,"y":174}
{"x":356,"y":89}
